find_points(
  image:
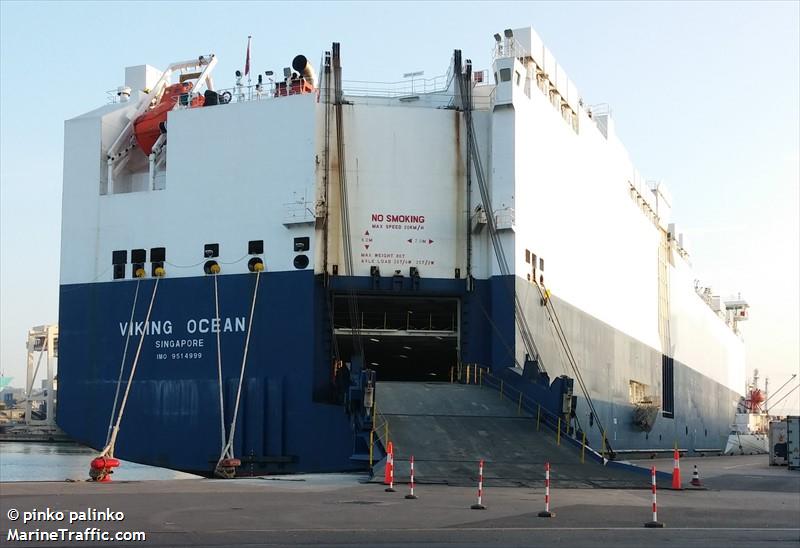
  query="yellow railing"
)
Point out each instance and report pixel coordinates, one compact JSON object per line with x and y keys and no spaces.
{"x":476,"y":374}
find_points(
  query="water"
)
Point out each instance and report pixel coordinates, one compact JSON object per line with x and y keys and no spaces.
{"x":26,"y":461}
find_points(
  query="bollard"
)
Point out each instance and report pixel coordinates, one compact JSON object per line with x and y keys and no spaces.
{"x":655,"y":523}
{"x":411,"y":494}
{"x":676,"y":471}
{"x":547,"y":513}
{"x":479,"y":505}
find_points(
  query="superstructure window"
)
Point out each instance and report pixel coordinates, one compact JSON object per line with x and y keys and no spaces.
{"x":528,"y":256}
{"x":667,"y":387}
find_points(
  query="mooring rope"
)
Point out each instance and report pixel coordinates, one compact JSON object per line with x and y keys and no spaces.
{"x":219,"y":369}
{"x":227,"y":450}
{"x":109,"y":448}
{"x":122,"y":364}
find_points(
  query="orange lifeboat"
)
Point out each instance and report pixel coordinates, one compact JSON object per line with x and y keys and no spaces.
{"x":150,"y":125}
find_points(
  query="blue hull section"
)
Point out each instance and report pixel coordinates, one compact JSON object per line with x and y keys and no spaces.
{"x":290,"y":418}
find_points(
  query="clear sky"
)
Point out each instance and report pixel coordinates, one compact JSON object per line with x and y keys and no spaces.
{"x":705,"y":95}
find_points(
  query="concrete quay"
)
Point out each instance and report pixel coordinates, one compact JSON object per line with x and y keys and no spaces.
{"x":746,"y":503}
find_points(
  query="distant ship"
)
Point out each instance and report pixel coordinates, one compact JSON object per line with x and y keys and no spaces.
{"x":258,"y":259}
{"x":750,"y":430}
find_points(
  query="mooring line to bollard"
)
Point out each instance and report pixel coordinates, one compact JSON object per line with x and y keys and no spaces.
{"x":479,"y":505}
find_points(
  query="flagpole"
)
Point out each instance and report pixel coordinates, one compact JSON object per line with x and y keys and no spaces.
{"x":247,"y":64}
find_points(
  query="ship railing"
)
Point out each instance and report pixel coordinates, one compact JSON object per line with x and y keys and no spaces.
{"x":481,"y":375}
{"x":380,"y":434}
{"x":398,"y":321}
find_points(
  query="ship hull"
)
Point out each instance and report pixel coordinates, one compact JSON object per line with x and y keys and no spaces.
{"x":291,"y":418}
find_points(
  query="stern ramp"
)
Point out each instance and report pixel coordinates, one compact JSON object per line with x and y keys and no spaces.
{"x":448,"y":428}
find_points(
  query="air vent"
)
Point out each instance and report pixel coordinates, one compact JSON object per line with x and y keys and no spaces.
{"x":119,"y":257}
{"x":302,"y":244}
{"x":139,"y":256}
{"x":211,"y":250}
{"x":255,"y":247}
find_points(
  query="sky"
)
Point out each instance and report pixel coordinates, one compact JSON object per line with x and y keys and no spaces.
{"x":705,"y":97}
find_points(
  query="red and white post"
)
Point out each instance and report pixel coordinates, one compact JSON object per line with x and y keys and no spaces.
{"x":654,"y":523}
{"x":479,"y":505}
{"x":547,"y":513}
{"x":411,"y":494}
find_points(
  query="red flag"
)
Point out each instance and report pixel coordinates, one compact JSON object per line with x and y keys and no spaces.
{"x":247,"y":61}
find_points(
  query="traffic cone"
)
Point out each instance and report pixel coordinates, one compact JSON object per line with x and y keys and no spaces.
{"x":387,"y":470}
{"x":676,"y":471}
{"x":696,"y":477}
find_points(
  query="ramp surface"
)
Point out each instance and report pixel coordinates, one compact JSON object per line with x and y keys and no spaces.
{"x":448,"y":428}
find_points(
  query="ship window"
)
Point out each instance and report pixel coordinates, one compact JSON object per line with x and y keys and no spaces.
{"x":119,"y":257}
{"x":505,"y":74}
{"x":119,"y":271}
{"x":533,"y":260}
{"x":541,"y":263}
{"x":211,"y":250}
{"x":528,"y":256}
{"x":667,"y":387}
{"x":138,"y":256}
{"x":255,"y":247}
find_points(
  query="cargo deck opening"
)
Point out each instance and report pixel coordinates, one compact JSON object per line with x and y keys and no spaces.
{"x":404,"y":338}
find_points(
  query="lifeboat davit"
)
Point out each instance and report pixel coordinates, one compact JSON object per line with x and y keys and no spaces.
{"x":150,"y":125}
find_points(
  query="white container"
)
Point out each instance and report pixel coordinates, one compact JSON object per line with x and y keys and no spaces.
{"x":777,"y":443}
{"x":793,"y":442}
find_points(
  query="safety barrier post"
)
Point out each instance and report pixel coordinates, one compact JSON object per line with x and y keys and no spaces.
{"x":475,"y":374}
{"x":538,"y":415}
{"x":558,"y":432}
{"x":479,"y":505}
{"x":411,"y":494}
{"x":654,"y":523}
{"x":603,"y":452}
{"x":501,"y":389}
{"x":480,"y":378}
{"x":547,"y":513}
{"x":519,"y":404}
{"x":451,"y":375}
{"x":583,"y":449}
{"x":467,"y":374}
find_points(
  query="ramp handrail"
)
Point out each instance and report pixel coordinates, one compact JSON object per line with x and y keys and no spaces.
{"x":481,"y":375}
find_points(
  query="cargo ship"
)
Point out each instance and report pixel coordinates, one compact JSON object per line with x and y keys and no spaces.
{"x":242,"y":268}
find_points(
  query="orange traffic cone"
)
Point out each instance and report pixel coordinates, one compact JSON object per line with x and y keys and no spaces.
{"x":387,"y":471}
{"x":676,"y":471}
